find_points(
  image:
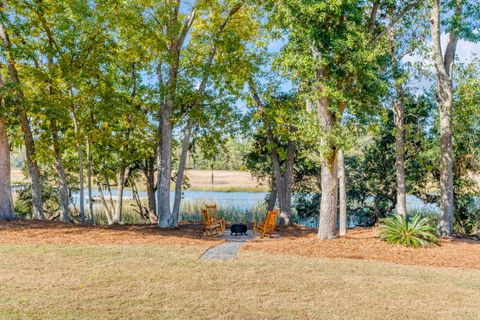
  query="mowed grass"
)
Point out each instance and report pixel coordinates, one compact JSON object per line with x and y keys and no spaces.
{"x":170,"y":282}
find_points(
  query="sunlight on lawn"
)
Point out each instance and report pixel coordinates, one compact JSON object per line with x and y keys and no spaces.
{"x":152,"y":282}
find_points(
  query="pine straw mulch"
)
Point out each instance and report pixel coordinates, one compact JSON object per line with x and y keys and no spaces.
{"x":51,"y":232}
{"x":361,"y":243}
{"x":364,"y":244}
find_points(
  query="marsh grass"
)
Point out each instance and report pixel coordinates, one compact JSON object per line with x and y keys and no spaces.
{"x":230,"y":188}
{"x":190,"y":211}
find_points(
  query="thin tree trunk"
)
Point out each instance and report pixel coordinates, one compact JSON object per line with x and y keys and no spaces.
{"x":33,"y":169}
{"x":60,"y":171}
{"x":399,"y":110}
{"x":138,"y":200}
{"x":283,"y":181}
{"x":444,"y":66}
{"x":106,"y":209}
{"x":284,"y":218}
{"x":80,"y":166}
{"x":89,"y":180}
{"x":399,"y":113}
{"x":343,"y":193}
{"x":288,"y":180}
{"x":167,"y":218}
{"x":159,"y":137}
{"x":110,"y":197}
{"x":150,"y":174}
{"x":121,"y":184}
{"x":181,"y":170}
{"x":272,"y":197}
{"x":6,"y":201}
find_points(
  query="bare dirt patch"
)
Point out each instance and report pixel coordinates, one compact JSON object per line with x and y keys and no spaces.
{"x":47,"y":232}
{"x":364,"y":244}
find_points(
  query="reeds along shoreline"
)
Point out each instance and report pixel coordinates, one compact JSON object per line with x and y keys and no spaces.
{"x":190,"y":211}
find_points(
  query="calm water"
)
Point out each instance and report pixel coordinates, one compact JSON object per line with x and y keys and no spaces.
{"x":246,"y":200}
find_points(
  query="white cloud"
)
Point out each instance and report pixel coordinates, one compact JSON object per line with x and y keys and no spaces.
{"x":466,"y":50}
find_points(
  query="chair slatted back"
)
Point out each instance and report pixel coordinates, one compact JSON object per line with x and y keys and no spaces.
{"x":270,"y":220}
{"x":207,"y":220}
{"x":212,"y":211}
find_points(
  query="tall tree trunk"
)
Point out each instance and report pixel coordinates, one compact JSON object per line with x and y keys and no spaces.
{"x":150,"y":175}
{"x":32,"y":165}
{"x":181,"y":170}
{"x":446,"y":172}
{"x":399,"y":115}
{"x":328,"y":202}
{"x":80,"y":165}
{"x":165,"y":217}
{"x":60,"y":171}
{"x":283,"y":180}
{"x":161,"y":89}
{"x":288,"y":180}
{"x":6,"y":201}
{"x":343,"y":193}
{"x":89,"y":180}
{"x":444,"y":66}
{"x":175,"y":39}
{"x":272,"y":197}
{"x":399,"y":111}
{"x":33,"y":169}
{"x":121,"y":185}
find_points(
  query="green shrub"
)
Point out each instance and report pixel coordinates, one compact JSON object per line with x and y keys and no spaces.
{"x":307,"y":206}
{"x":467,"y":215}
{"x":411,"y":232}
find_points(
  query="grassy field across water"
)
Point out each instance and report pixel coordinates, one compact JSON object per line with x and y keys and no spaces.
{"x":199,"y":180}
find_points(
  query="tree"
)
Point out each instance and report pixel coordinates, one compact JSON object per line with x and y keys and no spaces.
{"x":460,"y":24}
{"x":8,"y":51}
{"x":278,"y":118}
{"x":336,"y":57}
{"x":342,"y":194}
{"x":6,"y":201}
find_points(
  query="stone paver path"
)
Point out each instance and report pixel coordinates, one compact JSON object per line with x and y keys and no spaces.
{"x":227,"y":250}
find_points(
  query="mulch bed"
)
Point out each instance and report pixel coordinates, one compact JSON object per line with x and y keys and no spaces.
{"x":48,"y":232}
{"x":363,"y":243}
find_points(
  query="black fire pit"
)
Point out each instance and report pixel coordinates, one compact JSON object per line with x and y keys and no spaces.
{"x":238,"y":228}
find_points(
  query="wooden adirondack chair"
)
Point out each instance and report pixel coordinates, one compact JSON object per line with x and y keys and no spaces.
{"x":211,"y":224}
{"x":268,"y":226}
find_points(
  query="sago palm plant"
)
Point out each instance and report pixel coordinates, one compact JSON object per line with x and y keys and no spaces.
{"x":415,"y":232}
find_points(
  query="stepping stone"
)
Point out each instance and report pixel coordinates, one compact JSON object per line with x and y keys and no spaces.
{"x":227,"y":250}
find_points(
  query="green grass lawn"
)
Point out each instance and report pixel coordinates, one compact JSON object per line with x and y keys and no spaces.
{"x":157,"y":282}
